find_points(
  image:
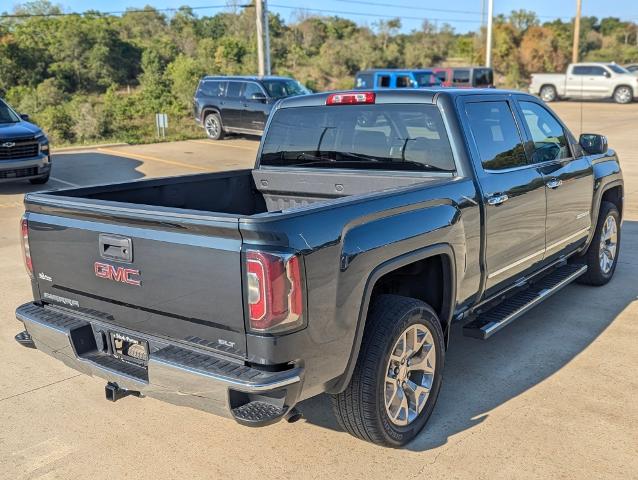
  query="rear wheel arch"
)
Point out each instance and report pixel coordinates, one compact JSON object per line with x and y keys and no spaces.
{"x":208,"y":110}
{"x":442,"y":253}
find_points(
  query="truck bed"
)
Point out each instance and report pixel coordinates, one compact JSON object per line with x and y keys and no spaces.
{"x":243,"y":193}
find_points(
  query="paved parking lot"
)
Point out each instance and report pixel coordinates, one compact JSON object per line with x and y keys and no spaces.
{"x":551,"y":396}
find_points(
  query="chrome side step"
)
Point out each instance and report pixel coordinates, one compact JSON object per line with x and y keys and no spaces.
{"x":490,"y":322}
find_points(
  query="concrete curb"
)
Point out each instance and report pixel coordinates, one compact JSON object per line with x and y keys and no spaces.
{"x":87,"y":147}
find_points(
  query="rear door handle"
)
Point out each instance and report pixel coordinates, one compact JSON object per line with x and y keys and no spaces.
{"x":554,"y":183}
{"x":497,"y":199}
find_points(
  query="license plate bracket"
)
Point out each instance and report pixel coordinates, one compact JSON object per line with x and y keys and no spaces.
{"x":129,"y":349}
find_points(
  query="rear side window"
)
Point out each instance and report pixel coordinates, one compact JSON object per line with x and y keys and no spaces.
{"x":581,"y":70}
{"x":383,"y":81}
{"x":380,"y":137}
{"x":212,"y":88}
{"x":234,"y":89}
{"x":364,"y":80}
{"x":461,"y":76}
{"x":496,"y":135}
{"x":550,"y":142}
{"x":441,"y":75}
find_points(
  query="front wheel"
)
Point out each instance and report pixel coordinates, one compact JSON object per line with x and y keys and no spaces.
{"x":602,"y":255}
{"x":398,"y":374}
{"x":623,"y":95}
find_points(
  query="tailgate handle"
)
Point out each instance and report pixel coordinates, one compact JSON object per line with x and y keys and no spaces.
{"x":114,"y":247}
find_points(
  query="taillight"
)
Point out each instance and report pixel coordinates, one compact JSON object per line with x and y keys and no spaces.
{"x":275,"y":291}
{"x":26,"y":251}
{"x":350,"y":98}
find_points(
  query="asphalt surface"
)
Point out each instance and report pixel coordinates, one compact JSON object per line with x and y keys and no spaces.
{"x":551,"y":396}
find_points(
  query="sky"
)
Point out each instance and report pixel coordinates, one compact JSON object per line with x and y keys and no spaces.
{"x":463,"y":15}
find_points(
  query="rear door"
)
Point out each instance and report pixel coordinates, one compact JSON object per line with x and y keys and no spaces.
{"x":569,"y":179}
{"x":233,"y":104}
{"x":255,"y":112}
{"x":168,"y":278}
{"x":513,"y":189}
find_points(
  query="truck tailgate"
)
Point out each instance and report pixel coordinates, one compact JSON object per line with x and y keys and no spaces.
{"x":182,"y":281}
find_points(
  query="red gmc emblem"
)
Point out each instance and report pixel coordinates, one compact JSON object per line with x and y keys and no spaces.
{"x":118,"y":274}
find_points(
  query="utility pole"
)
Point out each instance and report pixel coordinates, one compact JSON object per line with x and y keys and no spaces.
{"x":490,"y":18}
{"x":263,"y":46}
{"x":576,"y":32}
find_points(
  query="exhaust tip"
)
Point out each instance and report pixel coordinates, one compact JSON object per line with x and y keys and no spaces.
{"x":293,"y":415}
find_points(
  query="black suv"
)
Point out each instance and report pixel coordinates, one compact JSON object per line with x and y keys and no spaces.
{"x":240,"y":104}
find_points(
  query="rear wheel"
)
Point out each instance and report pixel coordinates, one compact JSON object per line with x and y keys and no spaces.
{"x":398,"y":374}
{"x":548,"y":93}
{"x":213,"y":126}
{"x":623,"y":94}
{"x":602,"y":255}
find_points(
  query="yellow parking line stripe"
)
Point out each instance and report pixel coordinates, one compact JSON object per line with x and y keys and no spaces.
{"x":137,"y":156}
{"x":243,"y":147}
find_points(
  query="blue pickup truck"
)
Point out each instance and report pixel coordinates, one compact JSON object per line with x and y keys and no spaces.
{"x":24,"y":148}
{"x":371,"y":221}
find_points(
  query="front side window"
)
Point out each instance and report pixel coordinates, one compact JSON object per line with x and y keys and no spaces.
{"x":378,"y":136}
{"x":252,"y":88}
{"x":550,"y":142}
{"x":404,"y":81}
{"x":284,"y":88}
{"x":597,"y":71}
{"x":496,"y":135}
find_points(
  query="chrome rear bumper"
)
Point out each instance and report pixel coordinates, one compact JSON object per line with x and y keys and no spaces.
{"x":173,"y":374}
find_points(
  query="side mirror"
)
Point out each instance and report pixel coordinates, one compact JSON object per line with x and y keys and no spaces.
{"x":258,"y":96}
{"x":24,"y":117}
{"x":607,"y":74}
{"x":593,"y":143}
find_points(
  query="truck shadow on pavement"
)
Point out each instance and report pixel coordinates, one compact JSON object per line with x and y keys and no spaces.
{"x":479,"y":375}
{"x":81,"y":169}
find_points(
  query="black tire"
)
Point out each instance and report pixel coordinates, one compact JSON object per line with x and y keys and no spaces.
{"x":213,"y":126}
{"x":40,"y":181}
{"x":623,"y":94}
{"x":595,"y":274}
{"x":548,"y":93}
{"x":360,"y":409}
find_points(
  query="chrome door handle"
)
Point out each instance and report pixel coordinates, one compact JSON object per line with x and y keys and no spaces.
{"x":554,"y":183}
{"x":497,"y":199}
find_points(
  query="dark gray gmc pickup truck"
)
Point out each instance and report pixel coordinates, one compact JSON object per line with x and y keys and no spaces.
{"x":371,"y":221}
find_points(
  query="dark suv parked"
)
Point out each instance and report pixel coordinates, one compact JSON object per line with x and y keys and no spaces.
{"x":24,"y":148}
{"x":240,"y":104}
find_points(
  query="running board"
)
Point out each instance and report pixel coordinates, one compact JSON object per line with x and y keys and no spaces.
{"x":490,"y":322}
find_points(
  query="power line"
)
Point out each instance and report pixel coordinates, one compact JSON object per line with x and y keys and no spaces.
{"x":361,"y":14}
{"x":411,"y":7}
{"x":97,"y":12}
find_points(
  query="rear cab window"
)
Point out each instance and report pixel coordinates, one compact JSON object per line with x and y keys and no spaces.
{"x":496,"y":135}
{"x":395,"y":137}
{"x":461,"y":76}
{"x":364,"y":80}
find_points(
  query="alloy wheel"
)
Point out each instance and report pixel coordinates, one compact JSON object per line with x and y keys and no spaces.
{"x":608,"y":244}
{"x":409,"y":375}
